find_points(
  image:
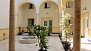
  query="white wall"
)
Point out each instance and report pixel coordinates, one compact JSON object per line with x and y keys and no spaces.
{"x":51,"y":13}
{"x":4,"y":14}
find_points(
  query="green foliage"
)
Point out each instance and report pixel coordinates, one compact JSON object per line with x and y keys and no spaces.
{"x":66,"y":26}
{"x":19,"y":29}
{"x":41,"y":33}
{"x":29,"y":27}
{"x":43,"y":40}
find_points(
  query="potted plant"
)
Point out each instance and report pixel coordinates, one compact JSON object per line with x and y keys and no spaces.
{"x":30,"y":29}
{"x":60,"y":35}
{"x":42,"y":39}
{"x":66,"y":27}
{"x":49,"y":30}
{"x":41,"y":33}
{"x":20,"y":32}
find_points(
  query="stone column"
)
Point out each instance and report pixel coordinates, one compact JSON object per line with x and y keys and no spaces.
{"x":11,"y":26}
{"x":76,"y":26}
{"x":63,"y":12}
{"x":37,"y":22}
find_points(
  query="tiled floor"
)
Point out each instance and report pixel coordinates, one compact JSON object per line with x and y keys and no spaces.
{"x":54,"y":44}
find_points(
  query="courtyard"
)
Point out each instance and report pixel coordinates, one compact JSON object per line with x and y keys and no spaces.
{"x":54,"y":44}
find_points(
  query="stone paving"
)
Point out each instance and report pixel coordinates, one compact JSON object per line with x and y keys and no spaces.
{"x":85,"y":44}
{"x":54,"y":44}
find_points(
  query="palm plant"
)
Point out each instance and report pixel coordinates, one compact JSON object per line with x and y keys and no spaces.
{"x":43,"y":40}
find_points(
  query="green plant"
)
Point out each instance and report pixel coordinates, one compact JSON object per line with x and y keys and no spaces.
{"x":41,"y":33}
{"x":29,"y":27}
{"x":43,"y":40}
{"x":20,"y":31}
{"x":60,"y":34}
{"x":66,"y":26}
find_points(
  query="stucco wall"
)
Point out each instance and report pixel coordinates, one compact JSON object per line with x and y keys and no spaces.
{"x":28,"y":13}
{"x":37,"y":3}
{"x":4,"y":18}
{"x":51,"y":12}
{"x":20,"y":17}
{"x":25,"y":13}
{"x":87,"y":4}
{"x":70,"y":11}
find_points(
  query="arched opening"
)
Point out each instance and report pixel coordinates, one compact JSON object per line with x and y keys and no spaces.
{"x":26,"y":15}
{"x":49,"y":15}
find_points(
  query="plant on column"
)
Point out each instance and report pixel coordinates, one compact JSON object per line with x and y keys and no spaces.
{"x":66,"y":26}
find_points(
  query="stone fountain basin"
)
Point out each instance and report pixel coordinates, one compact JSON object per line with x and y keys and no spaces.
{"x":27,"y":40}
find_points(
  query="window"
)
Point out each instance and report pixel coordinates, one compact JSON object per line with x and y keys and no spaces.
{"x":69,"y":4}
{"x":45,"y":23}
{"x":31,"y":6}
{"x":47,"y":5}
{"x":31,"y":22}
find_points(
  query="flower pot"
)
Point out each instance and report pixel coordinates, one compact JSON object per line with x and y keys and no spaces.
{"x":42,"y":50}
{"x":20,"y":33}
{"x":48,"y":34}
{"x":67,"y":45}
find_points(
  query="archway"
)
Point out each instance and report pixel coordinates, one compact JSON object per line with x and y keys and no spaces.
{"x":49,"y":15}
{"x":26,"y":15}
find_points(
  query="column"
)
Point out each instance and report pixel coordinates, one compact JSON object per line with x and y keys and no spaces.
{"x":11,"y":26}
{"x":63,"y":12}
{"x":37,"y":22}
{"x":76,"y":26}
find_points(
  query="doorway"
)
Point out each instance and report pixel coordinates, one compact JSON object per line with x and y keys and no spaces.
{"x":85,"y":27}
{"x":48,"y":24}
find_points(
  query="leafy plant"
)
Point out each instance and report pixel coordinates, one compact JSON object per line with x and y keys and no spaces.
{"x":41,"y":33}
{"x":29,"y":27}
{"x":43,"y":40}
{"x":66,"y":26}
{"x":20,"y":31}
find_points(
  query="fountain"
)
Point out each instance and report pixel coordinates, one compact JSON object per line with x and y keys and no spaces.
{"x":27,"y":40}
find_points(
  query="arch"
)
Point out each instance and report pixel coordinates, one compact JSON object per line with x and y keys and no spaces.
{"x":24,"y":2}
{"x":42,"y":1}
